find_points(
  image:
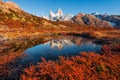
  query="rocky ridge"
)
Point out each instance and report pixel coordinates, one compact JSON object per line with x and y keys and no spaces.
{"x":87,"y":19}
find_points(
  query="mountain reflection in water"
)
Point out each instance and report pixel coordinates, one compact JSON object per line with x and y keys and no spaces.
{"x":61,"y":43}
{"x":65,"y":46}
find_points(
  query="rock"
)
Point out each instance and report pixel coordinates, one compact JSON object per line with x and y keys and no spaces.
{"x":112,"y":19}
{"x":87,"y":19}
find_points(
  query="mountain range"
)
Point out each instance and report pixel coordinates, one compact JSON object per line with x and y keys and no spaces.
{"x":114,"y":20}
{"x":103,"y":20}
{"x":93,"y":19}
{"x":14,"y":12}
{"x":14,"y":21}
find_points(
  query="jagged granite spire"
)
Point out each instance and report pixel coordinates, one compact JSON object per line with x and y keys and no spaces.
{"x":60,"y":12}
{"x":58,"y":16}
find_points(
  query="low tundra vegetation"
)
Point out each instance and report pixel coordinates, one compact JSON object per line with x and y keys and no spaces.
{"x":86,"y":66}
{"x":9,"y":68}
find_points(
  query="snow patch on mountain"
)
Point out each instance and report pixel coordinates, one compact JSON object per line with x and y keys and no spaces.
{"x":113,"y":24}
{"x":58,"y":16}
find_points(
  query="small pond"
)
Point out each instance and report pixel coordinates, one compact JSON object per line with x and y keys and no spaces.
{"x":61,"y":46}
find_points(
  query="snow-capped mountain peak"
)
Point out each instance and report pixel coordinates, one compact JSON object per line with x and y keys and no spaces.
{"x":57,"y":16}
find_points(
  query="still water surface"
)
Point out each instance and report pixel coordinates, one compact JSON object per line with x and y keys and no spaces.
{"x":61,"y":46}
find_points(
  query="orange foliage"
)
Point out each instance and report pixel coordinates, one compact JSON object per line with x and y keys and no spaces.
{"x":8,"y":66}
{"x":87,"y":66}
{"x":9,"y":58}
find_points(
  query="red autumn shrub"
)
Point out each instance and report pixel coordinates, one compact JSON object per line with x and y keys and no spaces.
{"x":8,"y":66}
{"x":87,"y":66}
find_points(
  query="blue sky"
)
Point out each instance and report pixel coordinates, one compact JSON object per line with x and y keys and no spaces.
{"x":39,"y":7}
